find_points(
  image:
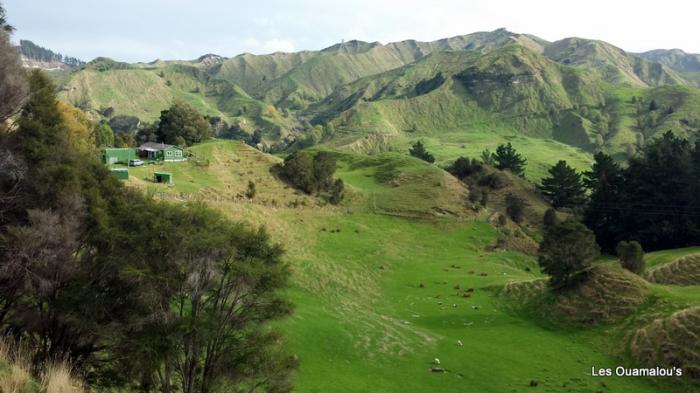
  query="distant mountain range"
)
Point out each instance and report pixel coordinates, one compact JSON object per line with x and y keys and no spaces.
{"x":371,"y":96}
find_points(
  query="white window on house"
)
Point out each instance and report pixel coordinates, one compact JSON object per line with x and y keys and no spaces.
{"x":168,"y":153}
{"x":178,"y":153}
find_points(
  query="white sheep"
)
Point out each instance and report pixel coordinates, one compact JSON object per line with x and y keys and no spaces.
{"x":459,"y":342}
{"x":437,"y":361}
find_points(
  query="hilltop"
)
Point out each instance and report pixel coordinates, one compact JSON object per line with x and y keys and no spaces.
{"x":587,"y":95}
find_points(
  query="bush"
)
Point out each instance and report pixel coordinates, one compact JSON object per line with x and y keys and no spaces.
{"x":550,"y":217}
{"x":418,"y":151}
{"x":568,"y":248}
{"x":515,"y":207}
{"x":464,"y":166}
{"x":493,"y":181}
{"x":631,"y":256}
{"x":250,"y":192}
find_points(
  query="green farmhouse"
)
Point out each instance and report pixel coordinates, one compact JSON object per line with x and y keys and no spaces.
{"x":161,"y":152}
{"x":113,"y":155}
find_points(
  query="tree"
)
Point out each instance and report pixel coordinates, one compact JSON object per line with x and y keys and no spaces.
{"x":568,"y":248}
{"x":419,"y":151}
{"x":298,"y":169}
{"x":4,"y":26}
{"x":324,"y":167}
{"x":654,"y":200}
{"x":631,"y":256}
{"x":13,"y":79}
{"x":250,"y":192}
{"x":563,"y":186}
{"x":123,"y":124}
{"x":103,"y":134}
{"x":507,"y":158}
{"x":182,"y":120}
{"x":515,"y":207}
{"x":603,"y":182}
{"x":550,"y":218}
{"x":487,"y":157}
{"x":337,"y":192}
{"x":463,"y":167}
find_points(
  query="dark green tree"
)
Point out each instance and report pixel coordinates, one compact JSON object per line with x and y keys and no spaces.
{"x":298,"y":169}
{"x":337,"y":192}
{"x":550,"y":218}
{"x":604,"y":182}
{"x":631,"y":256}
{"x":182,"y":120}
{"x":568,"y":248}
{"x":418,"y":150}
{"x":13,"y":79}
{"x":463,"y":167}
{"x":563,"y":187}
{"x":507,"y":158}
{"x":4,"y":25}
{"x":515,"y":207}
{"x":324,"y":165}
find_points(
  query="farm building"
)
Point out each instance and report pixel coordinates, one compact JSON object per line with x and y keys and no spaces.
{"x":121,"y":173}
{"x":113,"y":155}
{"x":161,"y":152}
{"x":163,"y":177}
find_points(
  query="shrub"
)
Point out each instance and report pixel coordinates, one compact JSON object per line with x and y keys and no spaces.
{"x":631,"y":256}
{"x":250,"y":192}
{"x":493,"y":181}
{"x":550,"y":217}
{"x":418,"y":151}
{"x":568,"y":248}
{"x":515,"y":207}
{"x":463,"y":167}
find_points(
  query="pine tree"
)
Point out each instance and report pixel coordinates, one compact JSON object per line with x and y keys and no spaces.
{"x":603,"y":182}
{"x":419,"y":151}
{"x":563,"y":186}
{"x":507,"y":158}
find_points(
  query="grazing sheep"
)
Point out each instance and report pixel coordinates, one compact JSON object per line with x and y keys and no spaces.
{"x":459,"y":343}
{"x":437,"y":361}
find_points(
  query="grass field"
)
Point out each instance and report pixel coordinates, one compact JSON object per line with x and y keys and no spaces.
{"x":388,"y":282}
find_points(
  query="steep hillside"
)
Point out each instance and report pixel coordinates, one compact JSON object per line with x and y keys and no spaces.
{"x":614,"y":65}
{"x":675,"y":59}
{"x":461,"y":94}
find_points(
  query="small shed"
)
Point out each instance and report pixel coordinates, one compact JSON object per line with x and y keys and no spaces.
{"x":115,"y":155}
{"x":121,"y":173}
{"x":163,"y":177}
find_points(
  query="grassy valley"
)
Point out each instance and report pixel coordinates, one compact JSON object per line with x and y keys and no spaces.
{"x":391,"y":280}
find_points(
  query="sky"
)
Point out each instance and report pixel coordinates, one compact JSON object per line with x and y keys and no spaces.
{"x":145,"y":30}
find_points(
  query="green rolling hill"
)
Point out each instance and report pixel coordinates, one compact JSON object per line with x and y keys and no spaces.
{"x":472,"y":91}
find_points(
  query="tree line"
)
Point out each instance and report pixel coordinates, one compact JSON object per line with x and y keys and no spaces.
{"x":133,"y":293}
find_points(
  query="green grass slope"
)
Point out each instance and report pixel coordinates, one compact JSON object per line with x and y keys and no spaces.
{"x":381,"y":293}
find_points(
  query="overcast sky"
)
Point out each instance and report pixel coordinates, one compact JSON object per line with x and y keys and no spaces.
{"x":144,"y":30}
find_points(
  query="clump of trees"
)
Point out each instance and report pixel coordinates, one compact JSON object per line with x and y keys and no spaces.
{"x":182,"y":124}
{"x":655,"y":200}
{"x":463,"y":167}
{"x":313,"y":173}
{"x":567,"y":250}
{"x":131,"y":292}
{"x":631,"y":256}
{"x":418,"y":150}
